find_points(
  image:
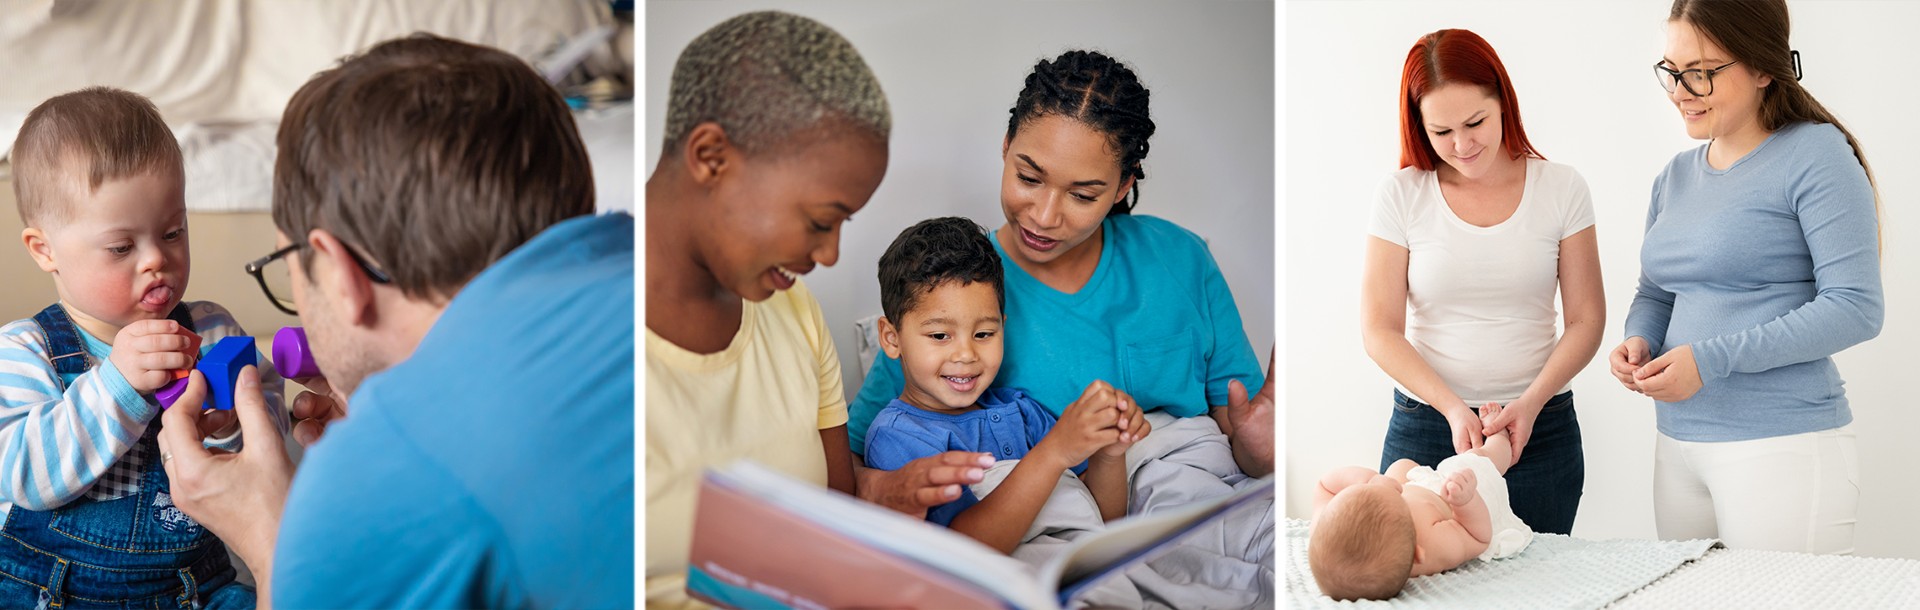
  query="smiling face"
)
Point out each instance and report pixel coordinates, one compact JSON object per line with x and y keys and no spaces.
{"x":1060,"y":179}
{"x":1733,"y":107}
{"x":949,"y":345}
{"x":1463,"y":126}
{"x":122,"y":255}
{"x":778,"y":215}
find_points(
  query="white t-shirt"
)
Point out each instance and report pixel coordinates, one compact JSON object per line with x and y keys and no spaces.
{"x":1480,"y":300}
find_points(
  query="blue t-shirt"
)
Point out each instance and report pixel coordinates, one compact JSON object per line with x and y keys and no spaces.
{"x":1007,"y":425}
{"x":494,"y":467}
{"x":1767,"y":268}
{"x":1156,"y":320}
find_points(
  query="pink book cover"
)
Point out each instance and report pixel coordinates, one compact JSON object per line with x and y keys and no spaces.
{"x":747,"y":553}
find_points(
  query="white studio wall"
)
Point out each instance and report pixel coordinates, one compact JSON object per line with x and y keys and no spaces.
{"x":1584,"y":80}
{"x":951,"y":71}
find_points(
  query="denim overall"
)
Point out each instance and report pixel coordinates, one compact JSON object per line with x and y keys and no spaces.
{"x":137,"y":551}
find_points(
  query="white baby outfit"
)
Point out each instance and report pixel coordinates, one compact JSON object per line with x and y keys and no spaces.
{"x":1510,"y":534}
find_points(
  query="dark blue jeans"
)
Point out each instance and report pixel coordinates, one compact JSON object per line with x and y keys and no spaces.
{"x":1544,"y":486}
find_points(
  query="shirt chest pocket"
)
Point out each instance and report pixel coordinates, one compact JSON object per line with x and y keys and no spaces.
{"x":1163,"y":372}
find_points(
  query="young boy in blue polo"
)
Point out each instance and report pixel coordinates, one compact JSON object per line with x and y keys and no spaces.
{"x":942,"y":293}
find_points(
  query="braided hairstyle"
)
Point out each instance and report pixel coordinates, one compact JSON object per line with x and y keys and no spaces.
{"x":1099,"y":92}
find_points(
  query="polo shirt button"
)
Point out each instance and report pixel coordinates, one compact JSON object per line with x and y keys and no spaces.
{"x":1006,"y":449}
{"x":994,"y":417}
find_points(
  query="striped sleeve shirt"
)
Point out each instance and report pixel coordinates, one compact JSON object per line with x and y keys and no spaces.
{"x":57,"y":440}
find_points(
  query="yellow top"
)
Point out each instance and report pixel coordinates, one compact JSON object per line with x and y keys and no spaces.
{"x":765,"y":397}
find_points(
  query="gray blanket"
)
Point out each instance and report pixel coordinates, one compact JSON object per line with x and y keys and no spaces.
{"x":1225,"y":564}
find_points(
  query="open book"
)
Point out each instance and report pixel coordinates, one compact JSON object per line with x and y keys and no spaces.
{"x":764,"y":540}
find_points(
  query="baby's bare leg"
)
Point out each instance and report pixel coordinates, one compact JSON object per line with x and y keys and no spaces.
{"x":1498,"y":449}
{"x":1398,"y":471}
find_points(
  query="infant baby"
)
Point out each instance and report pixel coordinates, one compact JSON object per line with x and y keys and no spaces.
{"x":1373,"y":532}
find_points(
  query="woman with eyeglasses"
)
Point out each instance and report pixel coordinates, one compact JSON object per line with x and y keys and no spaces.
{"x":1761,"y":260}
{"x":1470,"y":241}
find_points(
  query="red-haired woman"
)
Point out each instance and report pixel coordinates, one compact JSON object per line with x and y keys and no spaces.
{"x":1470,"y":240}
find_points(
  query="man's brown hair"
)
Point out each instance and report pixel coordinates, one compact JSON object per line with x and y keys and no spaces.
{"x":81,"y":140}
{"x":432,"y":157}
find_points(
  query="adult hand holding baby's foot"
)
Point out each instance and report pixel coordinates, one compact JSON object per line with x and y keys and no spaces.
{"x":1461,"y":488}
{"x":147,"y":352}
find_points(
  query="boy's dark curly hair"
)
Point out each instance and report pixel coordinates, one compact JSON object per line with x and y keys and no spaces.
{"x":932,"y":253}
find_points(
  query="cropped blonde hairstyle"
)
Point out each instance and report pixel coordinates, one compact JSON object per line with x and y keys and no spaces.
{"x":764,"y":77}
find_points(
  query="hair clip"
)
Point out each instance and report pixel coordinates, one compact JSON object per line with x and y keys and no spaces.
{"x":1796,"y":65}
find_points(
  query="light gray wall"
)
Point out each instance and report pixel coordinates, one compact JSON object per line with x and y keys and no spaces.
{"x":1583,"y":75}
{"x":951,"y":71}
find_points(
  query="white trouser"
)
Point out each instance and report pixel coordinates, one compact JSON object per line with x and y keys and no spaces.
{"x":1787,"y":493}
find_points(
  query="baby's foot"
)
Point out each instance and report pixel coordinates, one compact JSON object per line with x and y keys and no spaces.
{"x":1488,"y":412}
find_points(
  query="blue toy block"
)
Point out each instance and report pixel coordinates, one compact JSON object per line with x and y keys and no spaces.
{"x":222,"y":365}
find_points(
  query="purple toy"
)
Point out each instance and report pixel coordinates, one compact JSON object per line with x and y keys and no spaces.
{"x":221,"y":366}
{"x":291,"y":354}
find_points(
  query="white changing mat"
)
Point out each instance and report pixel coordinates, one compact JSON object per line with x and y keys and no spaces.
{"x":1554,"y":572}
{"x":1740,"y":578}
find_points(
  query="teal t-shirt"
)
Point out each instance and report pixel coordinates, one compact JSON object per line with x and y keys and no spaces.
{"x":1156,"y":320}
{"x":494,"y":467}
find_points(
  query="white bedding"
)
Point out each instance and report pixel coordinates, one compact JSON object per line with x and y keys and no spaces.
{"x":1562,"y":572}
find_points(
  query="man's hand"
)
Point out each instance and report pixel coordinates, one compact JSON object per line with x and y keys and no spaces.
{"x":237,"y":496}
{"x":314,"y":409}
{"x":923,"y":483}
{"x":147,"y":352}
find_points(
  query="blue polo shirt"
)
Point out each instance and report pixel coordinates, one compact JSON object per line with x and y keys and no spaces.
{"x":1007,"y":425}
{"x":494,"y":468}
{"x":1156,"y":320}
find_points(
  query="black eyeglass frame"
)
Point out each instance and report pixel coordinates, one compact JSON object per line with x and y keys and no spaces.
{"x":1674,"y":76}
{"x":258,"y":266}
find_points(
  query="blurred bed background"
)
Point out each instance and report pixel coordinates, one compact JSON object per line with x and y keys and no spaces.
{"x":221,"y":72}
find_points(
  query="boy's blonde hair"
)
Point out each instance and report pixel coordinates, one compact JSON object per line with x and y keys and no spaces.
{"x":1362,"y":547}
{"x":94,"y":134}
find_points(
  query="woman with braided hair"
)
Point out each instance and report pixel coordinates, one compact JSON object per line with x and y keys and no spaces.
{"x":1097,"y":292}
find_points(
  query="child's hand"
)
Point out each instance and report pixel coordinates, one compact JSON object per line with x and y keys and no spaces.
{"x":147,"y":352}
{"x":1133,"y":427}
{"x":1462,"y":487}
{"x":1090,"y":423}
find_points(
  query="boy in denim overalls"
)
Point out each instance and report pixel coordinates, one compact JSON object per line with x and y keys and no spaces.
{"x":88,"y":521}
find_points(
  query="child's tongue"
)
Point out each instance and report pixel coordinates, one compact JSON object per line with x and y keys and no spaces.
{"x":157,"y":296}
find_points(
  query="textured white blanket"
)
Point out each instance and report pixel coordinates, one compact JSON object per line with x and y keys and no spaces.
{"x":1739,"y":578}
{"x":1554,"y":572}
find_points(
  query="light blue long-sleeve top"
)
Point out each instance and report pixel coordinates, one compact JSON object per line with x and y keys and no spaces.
{"x":1155,"y":320}
{"x":1767,"y":268}
{"x":59,"y":437}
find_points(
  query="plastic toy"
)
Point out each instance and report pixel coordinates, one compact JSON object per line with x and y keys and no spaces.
{"x":221,"y":367}
{"x":292,"y":356}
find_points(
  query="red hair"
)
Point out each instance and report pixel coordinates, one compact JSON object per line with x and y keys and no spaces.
{"x":1454,"y":57}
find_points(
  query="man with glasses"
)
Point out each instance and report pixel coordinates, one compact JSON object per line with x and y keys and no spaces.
{"x":433,"y":203}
